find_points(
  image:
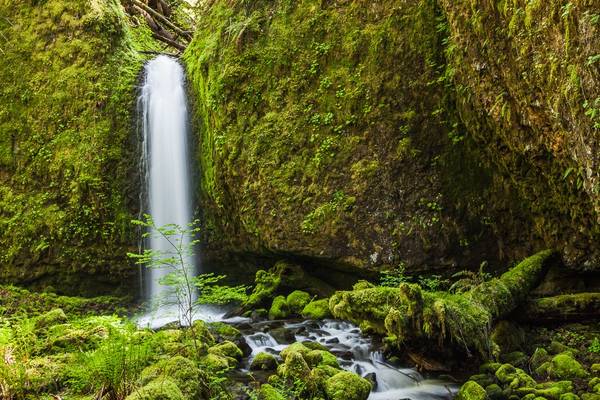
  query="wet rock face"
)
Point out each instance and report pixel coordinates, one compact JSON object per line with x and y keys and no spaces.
{"x":529,"y":93}
{"x":375,"y":135}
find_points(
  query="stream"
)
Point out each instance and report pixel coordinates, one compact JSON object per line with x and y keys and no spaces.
{"x":355,"y":352}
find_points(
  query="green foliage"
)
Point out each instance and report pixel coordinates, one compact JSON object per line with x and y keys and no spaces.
{"x":466,"y":280}
{"x":112,"y":370}
{"x":180,"y":277}
{"x":594,"y":346}
{"x":65,"y":149}
{"x":394,"y":277}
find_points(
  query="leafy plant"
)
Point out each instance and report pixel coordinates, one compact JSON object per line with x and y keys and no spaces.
{"x":393,"y":277}
{"x":469,"y":279}
{"x":594,"y":347}
{"x":112,"y":370}
{"x":187,"y":290}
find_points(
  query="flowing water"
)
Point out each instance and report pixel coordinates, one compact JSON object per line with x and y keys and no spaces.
{"x":166,"y":167}
{"x":164,"y":123}
{"x":355,"y":352}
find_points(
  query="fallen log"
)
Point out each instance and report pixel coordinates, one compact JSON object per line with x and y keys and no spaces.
{"x":168,"y":41}
{"x":563,"y":308}
{"x":412,"y":317}
{"x":161,"y":18}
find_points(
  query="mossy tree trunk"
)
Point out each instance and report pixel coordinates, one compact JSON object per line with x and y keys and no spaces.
{"x":412,"y":317}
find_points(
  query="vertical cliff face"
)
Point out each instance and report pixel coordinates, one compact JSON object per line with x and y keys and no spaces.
{"x":373,"y":134}
{"x":527,"y":77}
{"x":327,"y":132}
{"x":67,"y":185}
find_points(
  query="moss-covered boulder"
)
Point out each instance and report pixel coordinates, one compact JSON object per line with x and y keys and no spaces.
{"x":297,"y":300}
{"x":316,"y":358}
{"x":268,"y":392}
{"x":513,"y":377}
{"x":294,"y":368}
{"x":180,"y":370}
{"x":347,"y":386}
{"x":226,"y":349}
{"x":52,"y":317}
{"x":564,"y":366}
{"x":159,"y":389}
{"x":471,"y":391}
{"x":318,"y":309}
{"x":295,"y":347}
{"x":263,"y":362}
{"x":279,"y":308}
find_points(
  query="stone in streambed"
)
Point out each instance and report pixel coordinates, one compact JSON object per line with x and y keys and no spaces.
{"x":263,"y":362}
{"x":159,"y":389}
{"x":318,"y":309}
{"x":346,"y":385}
{"x":471,"y":391}
{"x":268,"y":392}
{"x":279,"y":308}
{"x":296,"y":301}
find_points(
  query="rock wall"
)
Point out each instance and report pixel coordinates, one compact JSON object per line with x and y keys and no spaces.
{"x":68,"y":189}
{"x":373,"y":134}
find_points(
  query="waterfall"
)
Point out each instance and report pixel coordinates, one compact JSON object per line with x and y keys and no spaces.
{"x":165,"y":160}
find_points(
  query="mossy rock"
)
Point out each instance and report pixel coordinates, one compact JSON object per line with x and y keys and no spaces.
{"x":556,"y":347}
{"x":318,"y":309}
{"x":320,"y":358}
{"x":279,"y":308}
{"x":295,"y":368}
{"x":203,"y":333}
{"x":540,"y":356}
{"x":471,"y":391}
{"x":548,"y":390}
{"x":508,"y":336}
{"x":564,"y":366}
{"x":346,"y":385}
{"x":569,"y":396}
{"x":215,"y":362}
{"x":297,"y":300}
{"x":52,"y":317}
{"x":489,"y":368}
{"x":295,"y":347}
{"x":513,"y":377}
{"x":183,"y":371}
{"x":494,"y":392}
{"x":223,"y":331}
{"x":43,"y":374}
{"x":483,"y":380}
{"x":263,"y":362}
{"x":226,"y":349}
{"x":590,"y":396}
{"x":268,"y":392}
{"x":159,"y":389}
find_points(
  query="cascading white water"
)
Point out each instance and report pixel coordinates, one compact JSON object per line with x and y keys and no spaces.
{"x":167,"y":169}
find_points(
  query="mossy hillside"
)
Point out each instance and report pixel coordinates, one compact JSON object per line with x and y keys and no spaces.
{"x":527,"y":82}
{"x":68,"y":74}
{"x":322,"y":128}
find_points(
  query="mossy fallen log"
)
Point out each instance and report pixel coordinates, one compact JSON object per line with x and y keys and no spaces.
{"x":563,"y":308}
{"x":410,"y":316}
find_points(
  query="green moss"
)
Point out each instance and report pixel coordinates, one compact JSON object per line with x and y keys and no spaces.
{"x":160,"y":389}
{"x":263,"y":361}
{"x":52,"y":317}
{"x":279,"y":309}
{"x":295,"y":368}
{"x":318,"y":309}
{"x":297,"y":300}
{"x":180,"y":370}
{"x":66,"y":194}
{"x":317,"y":358}
{"x":226,"y":349}
{"x":471,"y":391}
{"x":347,"y":386}
{"x":295,"y":348}
{"x":268,"y":392}
{"x":564,"y":366}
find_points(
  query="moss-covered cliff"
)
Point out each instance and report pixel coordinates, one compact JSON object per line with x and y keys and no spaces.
{"x":527,"y":77}
{"x":426,"y":133}
{"x":68,"y":73}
